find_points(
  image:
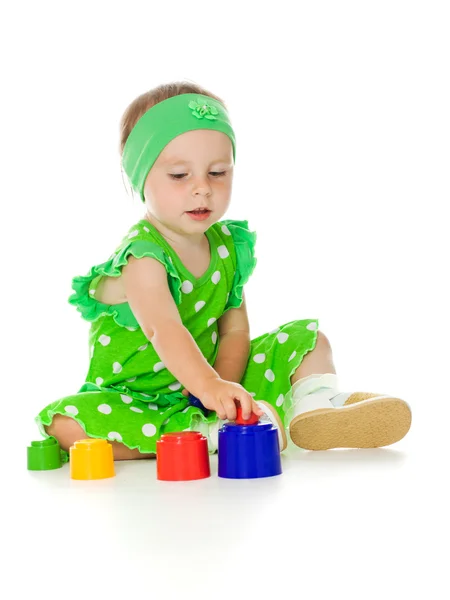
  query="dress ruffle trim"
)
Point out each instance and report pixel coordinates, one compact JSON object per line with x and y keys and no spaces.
{"x":244,"y":242}
{"x":92,"y":309}
{"x":45,"y":417}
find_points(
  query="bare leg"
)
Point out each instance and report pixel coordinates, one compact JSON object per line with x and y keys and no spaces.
{"x":67,"y":431}
{"x":319,"y":360}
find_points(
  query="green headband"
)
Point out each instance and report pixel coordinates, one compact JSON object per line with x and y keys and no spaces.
{"x":165,"y":121}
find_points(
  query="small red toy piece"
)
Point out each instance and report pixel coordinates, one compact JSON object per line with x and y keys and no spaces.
{"x":240,"y":420}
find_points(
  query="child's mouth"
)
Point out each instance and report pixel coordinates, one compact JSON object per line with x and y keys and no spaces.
{"x":199,"y":215}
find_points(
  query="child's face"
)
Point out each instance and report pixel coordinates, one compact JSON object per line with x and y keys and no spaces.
{"x":202,"y":161}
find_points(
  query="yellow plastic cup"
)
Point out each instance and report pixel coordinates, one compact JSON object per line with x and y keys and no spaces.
{"x":91,"y":459}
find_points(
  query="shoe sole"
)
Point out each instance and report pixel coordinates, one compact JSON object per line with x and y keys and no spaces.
{"x":366,"y":424}
{"x":280,"y":425}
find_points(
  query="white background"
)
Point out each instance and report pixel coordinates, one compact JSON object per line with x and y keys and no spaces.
{"x":342,"y":124}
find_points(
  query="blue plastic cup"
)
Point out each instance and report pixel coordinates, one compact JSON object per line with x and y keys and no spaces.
{"x":249,"y":451}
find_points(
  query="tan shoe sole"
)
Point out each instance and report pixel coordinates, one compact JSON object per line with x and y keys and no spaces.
{"x":280,"y":425}
{"x":365,"y":424}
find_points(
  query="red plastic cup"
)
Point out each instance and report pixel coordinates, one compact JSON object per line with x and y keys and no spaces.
{"x":240,"y":421}
{"x":182,"y":456}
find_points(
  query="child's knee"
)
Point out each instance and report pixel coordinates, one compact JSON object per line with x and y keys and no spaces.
{"x":66,"y":430}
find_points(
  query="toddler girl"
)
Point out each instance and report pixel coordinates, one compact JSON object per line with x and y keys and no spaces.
{"x":168,"y":314}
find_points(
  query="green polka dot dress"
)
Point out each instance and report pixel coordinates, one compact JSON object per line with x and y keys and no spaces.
{"x":129,"y":395}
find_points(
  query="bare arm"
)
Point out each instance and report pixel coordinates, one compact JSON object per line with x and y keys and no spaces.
{"x":149,"y":297}
{"x":234,"y":344}
{"x":234,"y":333}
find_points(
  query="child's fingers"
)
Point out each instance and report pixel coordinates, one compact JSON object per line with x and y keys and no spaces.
{"x":257,"y":409}
{"x":230,"y":408}
{"x":221,"y":411}
{"x":247,"y":404}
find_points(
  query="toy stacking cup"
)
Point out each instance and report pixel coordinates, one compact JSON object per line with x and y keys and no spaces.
{"x":44,"y":455}
{"x":248,"y":451}
{"x":182,"y":456}
{"x":91,"y":459}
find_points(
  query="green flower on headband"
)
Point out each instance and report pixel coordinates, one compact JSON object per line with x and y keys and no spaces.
{"x":203,"y":110}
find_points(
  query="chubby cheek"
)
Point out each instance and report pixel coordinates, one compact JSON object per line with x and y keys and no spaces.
{"x":175,"y":200}
{"x":167,"y":200}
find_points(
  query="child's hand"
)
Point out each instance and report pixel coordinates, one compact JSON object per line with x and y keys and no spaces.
{"x":221,"y":396}
{"x":240,"y":395}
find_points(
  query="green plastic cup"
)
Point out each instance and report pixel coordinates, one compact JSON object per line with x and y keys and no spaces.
{"x":44,"y":455}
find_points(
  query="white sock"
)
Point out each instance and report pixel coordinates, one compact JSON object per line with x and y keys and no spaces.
{"x":210,"y":431}
{"x":315,"y":392}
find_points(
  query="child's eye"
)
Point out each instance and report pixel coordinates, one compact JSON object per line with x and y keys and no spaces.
{"x":180,"y":175}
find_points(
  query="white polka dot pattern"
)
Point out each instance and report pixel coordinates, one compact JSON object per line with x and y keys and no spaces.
{"x":187,"y":287}
{"x":282,"y":337}
{"x":223,"y":251}
{"x":269,"y":375}
{"x":149,"y":430}
{"x":104,"y":340}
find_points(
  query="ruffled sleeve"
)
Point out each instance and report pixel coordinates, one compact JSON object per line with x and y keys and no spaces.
{"x":85,"y":286}
{"x":244,"y":242}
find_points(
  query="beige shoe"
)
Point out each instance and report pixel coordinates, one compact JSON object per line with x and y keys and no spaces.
{"x":365,"y":421}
